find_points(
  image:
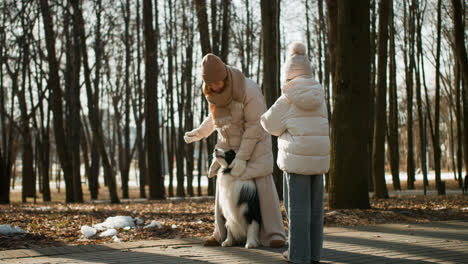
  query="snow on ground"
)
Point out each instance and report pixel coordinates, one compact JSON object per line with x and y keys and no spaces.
{"x":153,"y":224}
{"x":88,"y":231}
{"x":108,"y":232}
{"x":8,"y":230}
{"x":116,"y":222}
{"x":111,"y":224}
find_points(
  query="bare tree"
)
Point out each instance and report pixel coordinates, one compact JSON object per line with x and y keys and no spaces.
{"x":373,"y":106}
{"x":392,"y":135}
{"x":187,"y":97}
{"x":409,"y":73}
{"x":226,"y":4}
{"x":421,"y":114}
{"x":200,"y":7}
{"x":56,"y":100}
{"x":151,"y":104}
{"x":463,"y":62}
{"x":271,"y":74}
{"x":138,"y":109}
{"x":436,"y":134}
{"x":348,"y":176}
{"x":378,"y":154}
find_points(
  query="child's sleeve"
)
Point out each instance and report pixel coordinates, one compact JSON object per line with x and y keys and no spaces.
{"x":273,"y":120}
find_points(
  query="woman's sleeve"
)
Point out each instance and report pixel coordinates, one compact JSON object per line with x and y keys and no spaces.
{"x":254,"y":107}
{"x":206,"y":127}
{"x":273,"y":120}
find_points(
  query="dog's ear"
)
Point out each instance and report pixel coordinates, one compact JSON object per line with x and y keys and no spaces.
{"x":229,"y":156}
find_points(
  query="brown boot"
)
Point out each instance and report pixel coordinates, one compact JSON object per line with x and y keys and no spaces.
{"x":277,"y":243}
{"x":211,"y":242}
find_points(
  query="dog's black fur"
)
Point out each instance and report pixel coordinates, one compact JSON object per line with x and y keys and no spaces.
{"x":240,"y":197}
{"x":246,"y":195}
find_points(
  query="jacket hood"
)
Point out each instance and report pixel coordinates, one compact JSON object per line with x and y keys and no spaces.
{"x":305,"y":93}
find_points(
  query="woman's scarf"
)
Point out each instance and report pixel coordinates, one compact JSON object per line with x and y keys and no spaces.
{"x":234,"y":90}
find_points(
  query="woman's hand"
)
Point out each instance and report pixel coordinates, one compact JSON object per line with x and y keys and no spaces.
{"x":192,"y":136}
{"x":238,"y":167}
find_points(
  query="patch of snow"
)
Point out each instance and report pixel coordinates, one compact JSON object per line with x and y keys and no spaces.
{"x":116,"y":239}
{"x":108,"y":232}
{"x":127,"y":228}
{"x":153,"y":224}
{"x":88,"y":231}
{"x":45,"y":208}
{"x":113,"y":222}
{"x":8,"y":230}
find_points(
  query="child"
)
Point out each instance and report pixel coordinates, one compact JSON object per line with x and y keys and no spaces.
{"x":300,"y":121}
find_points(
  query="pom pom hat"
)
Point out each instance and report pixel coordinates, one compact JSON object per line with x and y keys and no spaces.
{"x":297,"y":63}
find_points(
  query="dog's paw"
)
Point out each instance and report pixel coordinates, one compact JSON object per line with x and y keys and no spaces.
{"x":252,"y":244}
{"x":227,"y":243}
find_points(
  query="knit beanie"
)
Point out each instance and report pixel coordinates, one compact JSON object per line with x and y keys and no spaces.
{"x":297,"y":63}
{"x":213,"y":68}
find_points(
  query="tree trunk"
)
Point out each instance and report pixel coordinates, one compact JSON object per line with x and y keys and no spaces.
{"x":459,"y":124}
{"x":373,"y":106}
{"x":200,"y":8}
{"x":348,"y":176}
{"x":56,"y":94}
{"x":27,"y":149}
{"x":465,"y":125}
{"x":421,"y":114}
{"x":44,"y":157}
{"x":309,"y":45}
{"x":93,"y":110}
{"x":215,"y":32}
{"x":188,"y":109}
{"x":409,"y":101}
{"x":436,"y":139}
{"x":393,"y":145}
{"x":151,"y":104}
{"x":5,"y":172}
{"x":271,"y":57}
{"x":225,"y":30}
{"x":138,"y":110}
{"x":330,"y":57}
{"x":74,"y":122}
{"x":461,"y":55}
{"x":380,"y":186}
{"x":127,"y":151}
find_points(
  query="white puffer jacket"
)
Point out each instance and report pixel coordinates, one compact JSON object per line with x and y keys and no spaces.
{"x":299,"y":118}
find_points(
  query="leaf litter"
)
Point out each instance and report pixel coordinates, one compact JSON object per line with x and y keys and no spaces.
{"x":58,"y":224}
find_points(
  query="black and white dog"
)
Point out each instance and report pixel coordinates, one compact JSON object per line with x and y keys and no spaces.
{"x":239,"y":204}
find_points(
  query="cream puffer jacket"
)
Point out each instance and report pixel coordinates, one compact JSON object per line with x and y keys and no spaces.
{"x":299,"y":118}
{"x":244,"y":134}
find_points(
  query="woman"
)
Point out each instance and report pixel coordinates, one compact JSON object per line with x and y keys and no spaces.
{"x":236,"y":104}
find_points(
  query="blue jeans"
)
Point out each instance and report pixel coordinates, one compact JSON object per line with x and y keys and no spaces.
{"x":303,"y":201}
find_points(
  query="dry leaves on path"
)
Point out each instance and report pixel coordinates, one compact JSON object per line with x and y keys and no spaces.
{"x":52,"y":224}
